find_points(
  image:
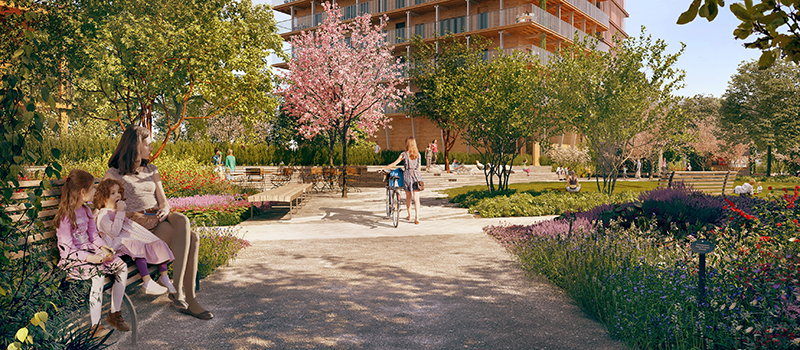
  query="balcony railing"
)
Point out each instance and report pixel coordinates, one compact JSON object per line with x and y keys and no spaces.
{"x":590,"y":10}
{"x":544,"y":55}
{"x":486,"y":20}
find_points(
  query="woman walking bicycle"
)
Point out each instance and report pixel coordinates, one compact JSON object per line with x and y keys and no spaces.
{"x":412,"y":180}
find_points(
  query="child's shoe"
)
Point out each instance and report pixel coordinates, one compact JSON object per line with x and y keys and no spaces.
{"x":164,"y":280}
{"x":153,"y":288}
{"x":98,"y":331}
{"x":115,"y":319}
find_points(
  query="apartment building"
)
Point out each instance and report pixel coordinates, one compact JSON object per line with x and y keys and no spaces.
{"x":538,"y":26}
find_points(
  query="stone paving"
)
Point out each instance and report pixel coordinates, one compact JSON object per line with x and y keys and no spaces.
{"x":339,"y":276}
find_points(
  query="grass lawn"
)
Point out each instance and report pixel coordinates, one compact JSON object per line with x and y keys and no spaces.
{"x":591,"y":186}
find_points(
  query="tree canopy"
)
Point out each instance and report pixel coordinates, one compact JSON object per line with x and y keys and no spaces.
{"x":506,"y":101}
{"x":612,"y":97}
{"x":341,"y":79}
{"x":776,"y":24}
{"x":438,"y":70}
{"x":763,"y":106}
{"x":140,"y":61}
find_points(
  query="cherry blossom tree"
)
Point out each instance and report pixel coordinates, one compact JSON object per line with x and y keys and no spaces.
{"x":341,"y":79}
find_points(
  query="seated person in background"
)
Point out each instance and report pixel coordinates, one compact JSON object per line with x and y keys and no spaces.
{"x":745,"y":188}
{"x":572,"y":183}
{"x":456,"y":164}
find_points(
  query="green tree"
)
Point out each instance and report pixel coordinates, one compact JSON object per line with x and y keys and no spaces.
{"x":613,"y":97}
{"x":776,"y":23}
{"x":31,"y":285}
{"x":143,"y":60}
{"x":763,"y":106}
{"x":506,"y":101}
{"x":438,"y":70}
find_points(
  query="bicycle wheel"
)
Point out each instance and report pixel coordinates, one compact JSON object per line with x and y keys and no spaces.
{"x":388,"y":202}
{"x":395,"y":208}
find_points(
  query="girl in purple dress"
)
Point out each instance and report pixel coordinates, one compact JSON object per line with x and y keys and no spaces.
{"x":129,"y":238}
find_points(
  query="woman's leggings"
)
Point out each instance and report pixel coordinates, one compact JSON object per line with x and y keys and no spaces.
{"x":185,"y":244}
{"x":141,"y":263}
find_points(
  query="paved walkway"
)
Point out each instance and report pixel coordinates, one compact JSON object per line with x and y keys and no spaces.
{"x":339,"y":276}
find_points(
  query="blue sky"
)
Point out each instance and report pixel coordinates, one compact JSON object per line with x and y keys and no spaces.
{"x":711,"y":55}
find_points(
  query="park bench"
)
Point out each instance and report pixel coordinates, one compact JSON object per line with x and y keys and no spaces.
{"x":295,"y":195}
{"x":714,"y":182}
{"x":47,"y":240}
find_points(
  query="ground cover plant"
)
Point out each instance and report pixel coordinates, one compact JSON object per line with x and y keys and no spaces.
{"x":218,"y":246}
{"x":641,"y":280}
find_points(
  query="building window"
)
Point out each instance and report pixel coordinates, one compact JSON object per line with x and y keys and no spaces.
{"x":363,"y":8}
{"x":400,"y":32}
{"x":452,"y":25}
{"x":350,"y":12}
{"x":400,"y":3}
{"x":317,"y":19}
{"x":483,"y":20}
{"x":419,"y":30}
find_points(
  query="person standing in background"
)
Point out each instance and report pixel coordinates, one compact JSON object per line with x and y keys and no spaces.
{"x":638,"y":169}
{"x":435,"y":150}
{"x":216,"y":160}
{"x":230,"y":164}
{"x":428,"y":157}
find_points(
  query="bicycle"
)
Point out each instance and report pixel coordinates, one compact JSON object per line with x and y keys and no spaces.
{"x":394,"y":182}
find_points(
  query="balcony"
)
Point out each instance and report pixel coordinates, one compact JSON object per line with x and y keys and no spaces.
{"x":590,"y":11}
{"x":534,"y":15}
{"x":544,"y":55}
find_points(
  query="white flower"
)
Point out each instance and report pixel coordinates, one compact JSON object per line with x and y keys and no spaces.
{"x":796,"y":341}
{"x":754,"y":302}
{"x":738,"y":328}
{"x":732,"y":306}
{"x":792,"y":240}
{"x":748,"y":330}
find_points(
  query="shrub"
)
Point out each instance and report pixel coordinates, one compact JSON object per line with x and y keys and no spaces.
{"x":218,"y":246}
{"x":547,"y":203}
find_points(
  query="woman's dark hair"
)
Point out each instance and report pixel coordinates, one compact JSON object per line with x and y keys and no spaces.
{"x":216,"y":149}
{"x":126,"y":157}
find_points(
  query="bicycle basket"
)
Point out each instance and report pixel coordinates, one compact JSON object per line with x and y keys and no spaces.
{"x":396,"y":177}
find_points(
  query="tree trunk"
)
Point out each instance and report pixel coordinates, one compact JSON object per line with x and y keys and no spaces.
{"x":344,"y":164}
{"x":769,"y":161}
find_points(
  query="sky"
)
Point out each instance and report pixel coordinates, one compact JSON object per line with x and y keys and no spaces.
{"x":711,"y":56}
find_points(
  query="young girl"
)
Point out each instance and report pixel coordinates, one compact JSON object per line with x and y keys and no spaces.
{"x":84,"y":255}
{"x":129,"y":238}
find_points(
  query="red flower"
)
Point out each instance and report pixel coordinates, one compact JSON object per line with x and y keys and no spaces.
{"x":769,"y":188}
{"x":795,"y":221}
{"x":779,"y":224}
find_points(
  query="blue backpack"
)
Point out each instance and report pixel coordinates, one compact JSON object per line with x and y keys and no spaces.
{"x":396,"y":173}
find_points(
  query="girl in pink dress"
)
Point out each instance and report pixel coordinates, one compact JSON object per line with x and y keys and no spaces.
{"x":84,"y":254}
{"x":129,"y":238}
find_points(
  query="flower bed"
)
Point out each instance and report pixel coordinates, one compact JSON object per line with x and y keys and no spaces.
{"x":215,"y":210}
{"x":532,"y":203}
{"x":640,"y":280}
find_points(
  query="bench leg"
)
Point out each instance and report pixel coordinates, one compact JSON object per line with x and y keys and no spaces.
{"x":134,"y":325}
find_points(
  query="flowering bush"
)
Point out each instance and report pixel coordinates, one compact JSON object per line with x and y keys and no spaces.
{"x":642,"y":284}
{"x":215,"y":210}
{"x":218,"y":246}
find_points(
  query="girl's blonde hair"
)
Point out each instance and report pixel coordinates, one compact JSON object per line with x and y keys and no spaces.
{"x":71,"y":198}
{"x":103,"y":191}
{"x":411,"y":148}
